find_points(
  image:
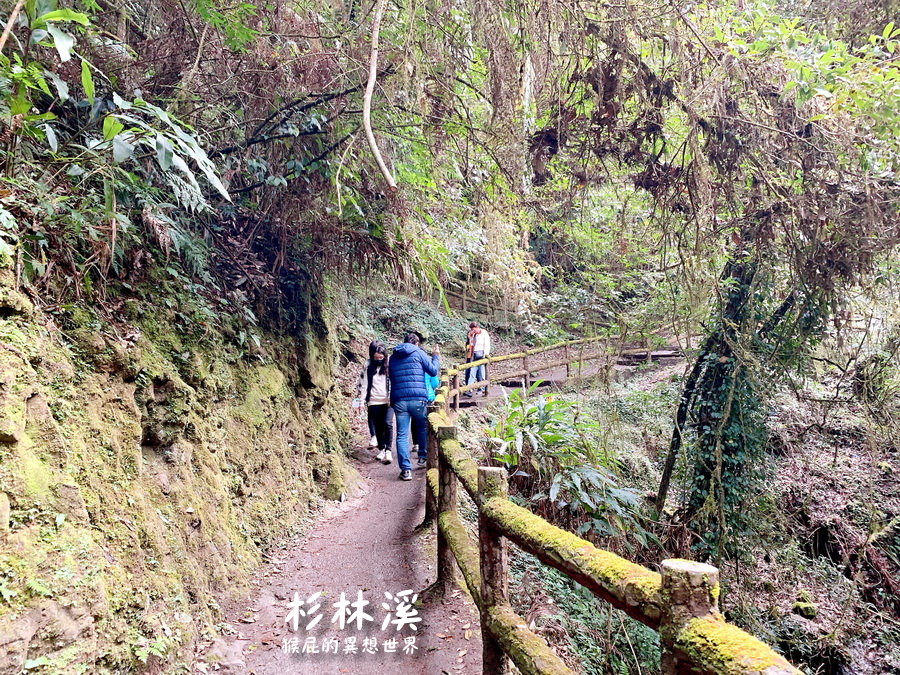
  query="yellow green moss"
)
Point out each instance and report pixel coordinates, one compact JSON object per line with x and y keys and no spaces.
{"x":805,"y":609}
{"x":528,"y":651}
{"x":628,"y":585}
{"x":36,"y":475}
{"x":171,"y":523}
{"x":270,"y":380}
{"x":492,"y":483}
{"x":464,"y":550}
{"x":433,"y":479}
{"x":461,"y":464}
{"x":714,"y":646}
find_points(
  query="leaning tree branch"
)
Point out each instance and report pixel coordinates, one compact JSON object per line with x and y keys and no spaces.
{"x":257,"y":140}
{"x":10,"y":23}
{"x":367,"y":98}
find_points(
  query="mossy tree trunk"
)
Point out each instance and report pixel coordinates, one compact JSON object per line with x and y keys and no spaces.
{"x":719,"y":403}
{"x":719,"y":423}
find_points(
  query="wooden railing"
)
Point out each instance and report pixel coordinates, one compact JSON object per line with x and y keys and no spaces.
{"x":529,"y":368}
{"x":681,"y":602}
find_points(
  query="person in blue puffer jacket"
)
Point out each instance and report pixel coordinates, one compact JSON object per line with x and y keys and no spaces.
{"x":409,"y":397}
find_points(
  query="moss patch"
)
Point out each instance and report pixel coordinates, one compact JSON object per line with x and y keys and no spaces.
{"x":625,"y":584}
{"x":714,"y":646}
{"x":146,"y":481}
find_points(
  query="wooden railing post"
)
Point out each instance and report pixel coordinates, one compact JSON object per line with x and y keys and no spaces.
{"x":446,"y":567}
{"x":527,"y":373}
{"x":690,"y":590}
{"x":455,"y":385}
{"x":568,"y":362}
{"x":487,"y":378}
{"x":431,"y":463}
{"x":580,"y":361}
{"x":492,"y":482}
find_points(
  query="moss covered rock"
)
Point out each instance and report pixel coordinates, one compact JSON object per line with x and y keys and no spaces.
{"x":805,"y":609}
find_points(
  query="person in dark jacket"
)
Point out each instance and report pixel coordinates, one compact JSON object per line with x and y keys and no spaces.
{"x":373,"y":348}
{"x":374,"y":389}
{"x":409,"y":366}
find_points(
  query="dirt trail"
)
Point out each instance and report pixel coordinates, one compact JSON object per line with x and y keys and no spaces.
{"x":368,"y":543}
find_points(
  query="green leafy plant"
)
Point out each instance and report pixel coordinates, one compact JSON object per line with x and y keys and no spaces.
{"x":550,"y":449}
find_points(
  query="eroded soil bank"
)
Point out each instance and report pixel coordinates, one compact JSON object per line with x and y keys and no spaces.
{"x":148,"y":455}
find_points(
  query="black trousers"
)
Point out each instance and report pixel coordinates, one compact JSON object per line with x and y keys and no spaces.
{"x":381,"y":417}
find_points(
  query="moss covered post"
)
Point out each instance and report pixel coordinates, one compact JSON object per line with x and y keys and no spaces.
{"x":455,"y":385}
{"x":446,"y":566}
{"x":690,"y":590}
{"x":492,"y":482}
{"x":527,"y":374}
{"x":431,"y":463}
{"x":445,"y":385}
{"x":487,"y":379}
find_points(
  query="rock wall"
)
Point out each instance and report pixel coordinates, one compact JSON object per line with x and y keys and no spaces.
{"x":143,"y":469}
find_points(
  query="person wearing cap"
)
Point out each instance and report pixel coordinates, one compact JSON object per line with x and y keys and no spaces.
{"x":409,"y":366}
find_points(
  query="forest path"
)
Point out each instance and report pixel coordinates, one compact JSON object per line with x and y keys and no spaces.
{"x":367,"y":543}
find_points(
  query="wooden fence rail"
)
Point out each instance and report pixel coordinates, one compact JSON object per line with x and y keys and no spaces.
{"x":681,"y":602}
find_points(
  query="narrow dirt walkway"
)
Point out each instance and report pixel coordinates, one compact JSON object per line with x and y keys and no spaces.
{"x":365,"y":547}
{"x":366,"y":544}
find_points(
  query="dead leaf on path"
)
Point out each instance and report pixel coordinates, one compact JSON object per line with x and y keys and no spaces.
{"x":467,"y":634}
{"x":462,"y":653}
{"x":467,"y":624}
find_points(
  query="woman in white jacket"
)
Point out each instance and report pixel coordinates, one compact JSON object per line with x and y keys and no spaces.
{"x":374,"y":388}
{"x":478,"y":346}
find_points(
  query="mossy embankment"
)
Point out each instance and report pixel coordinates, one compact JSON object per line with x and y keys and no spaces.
{"x":145,"y":463}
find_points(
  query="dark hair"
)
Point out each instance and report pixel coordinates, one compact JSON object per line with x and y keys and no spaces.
{"x":377,"y":367}
{"x":474,"y":324}
{"x":412,"y":338}
{"x":373,"y":347}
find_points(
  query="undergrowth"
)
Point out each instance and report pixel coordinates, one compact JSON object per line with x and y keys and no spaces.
{"x":599,"y":637}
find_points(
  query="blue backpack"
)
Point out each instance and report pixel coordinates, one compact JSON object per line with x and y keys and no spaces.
{"x":432,"y":382}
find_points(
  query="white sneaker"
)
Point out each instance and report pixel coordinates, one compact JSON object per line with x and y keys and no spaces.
{"x":380,"y":456}
{"x":373,"y":442}
{"x":387,"y":459}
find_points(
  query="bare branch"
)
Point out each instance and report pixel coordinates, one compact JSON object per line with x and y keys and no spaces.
{"x":367,"y":99}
